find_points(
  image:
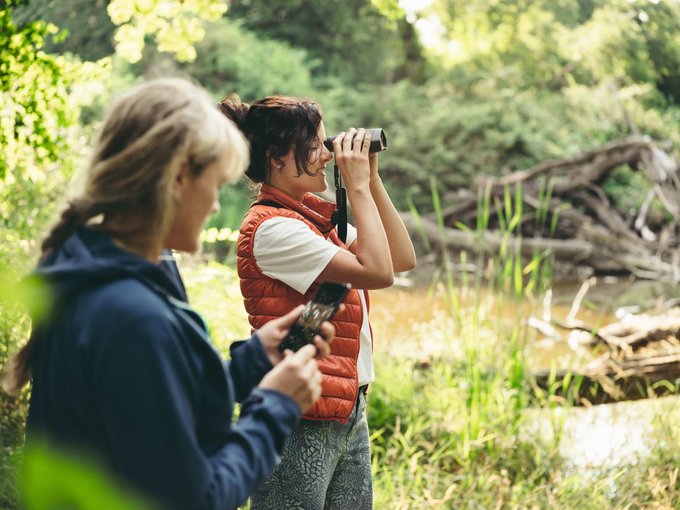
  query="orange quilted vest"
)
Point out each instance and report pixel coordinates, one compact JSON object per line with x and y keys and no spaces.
{"x":266,"y":298}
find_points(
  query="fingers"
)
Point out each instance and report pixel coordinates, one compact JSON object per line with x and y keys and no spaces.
{"x":323,"y":349}
{"x":356,"y":141}
{"x":362,"y":141}
{"x":287,"y":320}
{"x":296,"y":376}
{"x":306,"y":353}
{"x":337,"y":142}
{"x":344,"y":141}
{"x":306,"y":357}
{"x":327,"y":330}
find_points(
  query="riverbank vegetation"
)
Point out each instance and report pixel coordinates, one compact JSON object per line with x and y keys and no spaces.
{"x":488,"y":88}
{"x":452,"y":423}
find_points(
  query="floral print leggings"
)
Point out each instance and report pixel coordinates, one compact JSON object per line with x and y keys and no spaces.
{"x":326,"y":465}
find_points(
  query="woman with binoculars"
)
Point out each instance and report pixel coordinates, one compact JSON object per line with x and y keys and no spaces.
{"x":288,"y":245}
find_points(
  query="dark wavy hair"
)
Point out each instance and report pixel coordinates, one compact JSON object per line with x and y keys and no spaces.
{"x":273,"y":125}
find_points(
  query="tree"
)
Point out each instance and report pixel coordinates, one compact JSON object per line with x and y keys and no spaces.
{"x":232,"y":59}
{"x":176,"y":25}
{"x":86,"y":26}
{"x":352,"y":40}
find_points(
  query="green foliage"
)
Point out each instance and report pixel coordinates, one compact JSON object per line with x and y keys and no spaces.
{"x":659,"y":29}
{"x":87,"y":30}
{"x":53,"y":479}
{"x":37,"y":134}
{"x":35,"y":107}
{"x":231,"y":59}
{"x":628,"y":190}
{"x":442,"y":132}
{"x":551,"y":45}
{"x":176,"y":25}
{"x":336,"y":33}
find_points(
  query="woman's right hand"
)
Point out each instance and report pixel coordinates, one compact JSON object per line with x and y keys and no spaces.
{"x":296,"y":376}
{"x":351,"y":154}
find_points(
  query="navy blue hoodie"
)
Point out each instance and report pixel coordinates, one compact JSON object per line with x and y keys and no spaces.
{"x":123,"y":371}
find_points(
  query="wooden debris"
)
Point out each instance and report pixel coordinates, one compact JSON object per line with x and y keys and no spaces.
{"x":643,"y":360}
{"x":565,"y":212}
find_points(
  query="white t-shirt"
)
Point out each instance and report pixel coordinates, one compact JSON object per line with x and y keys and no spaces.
{"x":287,"y":250}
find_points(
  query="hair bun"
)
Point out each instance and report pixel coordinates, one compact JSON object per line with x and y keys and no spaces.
{"x":234,"y":109}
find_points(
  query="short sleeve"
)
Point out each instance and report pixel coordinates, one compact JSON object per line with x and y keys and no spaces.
{"x":286,"y":249}
{"x":351,"y":234}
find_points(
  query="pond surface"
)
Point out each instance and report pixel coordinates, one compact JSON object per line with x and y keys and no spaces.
{"x":417,"y":322}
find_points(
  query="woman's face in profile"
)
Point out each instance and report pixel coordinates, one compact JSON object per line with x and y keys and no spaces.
{"x":196,"y":198}
{"x":287,"y":179}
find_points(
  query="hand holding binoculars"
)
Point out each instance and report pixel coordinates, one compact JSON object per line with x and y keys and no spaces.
{"x":378,"y":141}
{"x":339,"y":218}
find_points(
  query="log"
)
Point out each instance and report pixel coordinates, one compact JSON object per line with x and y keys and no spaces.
{"x":643,"y":359}
{"x":565,"y":213}
{"x":609,"y":381}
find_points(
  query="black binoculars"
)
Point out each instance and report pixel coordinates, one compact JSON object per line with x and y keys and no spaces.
{"x":378,"y":141}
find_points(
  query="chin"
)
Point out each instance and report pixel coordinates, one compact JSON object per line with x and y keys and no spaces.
{"x":186,"y":246}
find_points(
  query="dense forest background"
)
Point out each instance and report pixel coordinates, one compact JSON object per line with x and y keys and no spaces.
{"x":489,"y":86}
{"x":461,"y":88}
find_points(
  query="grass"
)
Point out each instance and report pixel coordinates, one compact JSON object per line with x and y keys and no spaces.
{"x":454,"y":421}
{"x":448,"y":434}
{"x":451,"y":423}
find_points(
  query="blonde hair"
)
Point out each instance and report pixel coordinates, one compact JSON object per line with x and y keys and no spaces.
{"x":148,"y":133}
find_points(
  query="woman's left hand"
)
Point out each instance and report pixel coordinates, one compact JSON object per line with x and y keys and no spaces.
{"x":273,"y":333}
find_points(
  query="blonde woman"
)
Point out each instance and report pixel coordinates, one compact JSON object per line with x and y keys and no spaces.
{"x":122,"y":369}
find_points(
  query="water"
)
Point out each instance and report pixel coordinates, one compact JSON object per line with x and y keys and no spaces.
{"x":607,"y":435}
{"x":418,"y":323}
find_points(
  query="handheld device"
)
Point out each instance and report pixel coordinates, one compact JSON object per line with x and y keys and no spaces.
{"x":320,"y":308}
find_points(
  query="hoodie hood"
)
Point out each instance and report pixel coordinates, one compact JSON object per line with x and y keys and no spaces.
{"x":90,"y":258}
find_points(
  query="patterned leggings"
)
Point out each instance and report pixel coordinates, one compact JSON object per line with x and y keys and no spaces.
{"x":326,"y":465}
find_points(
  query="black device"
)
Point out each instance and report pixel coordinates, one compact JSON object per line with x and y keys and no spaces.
{"x":320,"y":308}
{"x":378,"y":140}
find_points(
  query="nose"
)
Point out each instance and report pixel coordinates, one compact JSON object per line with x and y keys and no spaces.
{"x":215,"y":207}
{"x":326,"y":155}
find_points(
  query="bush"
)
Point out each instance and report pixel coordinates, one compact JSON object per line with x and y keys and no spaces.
{"x":231,"y":59}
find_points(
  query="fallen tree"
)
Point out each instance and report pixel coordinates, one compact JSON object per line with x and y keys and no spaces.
{"x":560,"y":208}
{"x":637,"y":356}
{"x":642,"y":359}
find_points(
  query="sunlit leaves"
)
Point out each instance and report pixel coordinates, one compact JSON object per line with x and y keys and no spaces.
{"x":39,"y":108}
{"x":33,"y":105}
{"x":553,"y":45}
{"x":175,"y":25}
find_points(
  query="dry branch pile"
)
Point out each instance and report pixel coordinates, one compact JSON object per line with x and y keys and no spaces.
{"x":578,"y":223}
{"x":642,"y":359}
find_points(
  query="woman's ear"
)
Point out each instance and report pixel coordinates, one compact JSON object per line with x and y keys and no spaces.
{"x":181,"y":179}
{"x":274,"y":162}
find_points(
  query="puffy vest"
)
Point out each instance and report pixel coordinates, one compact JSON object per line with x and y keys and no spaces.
{"x":266,"y":298}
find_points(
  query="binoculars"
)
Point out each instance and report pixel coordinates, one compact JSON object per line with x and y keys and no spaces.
{"x":378,"y":141}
